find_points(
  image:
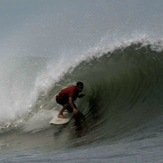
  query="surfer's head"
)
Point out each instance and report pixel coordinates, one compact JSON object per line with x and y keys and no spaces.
{"x":80,"y":86}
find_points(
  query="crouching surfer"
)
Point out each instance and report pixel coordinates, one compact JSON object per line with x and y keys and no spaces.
{"x":67,"y":96}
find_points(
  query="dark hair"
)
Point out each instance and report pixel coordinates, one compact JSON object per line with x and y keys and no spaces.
{"x":79,"y":83}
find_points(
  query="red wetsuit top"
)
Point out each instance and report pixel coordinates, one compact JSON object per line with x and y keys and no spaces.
{"x":70,"y":91}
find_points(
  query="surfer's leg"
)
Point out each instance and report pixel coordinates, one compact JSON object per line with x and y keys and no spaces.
{"x":60,"y":115}
{"x":69,"y":109}
{"x":64,"y":103}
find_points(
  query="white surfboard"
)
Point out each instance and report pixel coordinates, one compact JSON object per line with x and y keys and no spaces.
{"x":59,"y":121}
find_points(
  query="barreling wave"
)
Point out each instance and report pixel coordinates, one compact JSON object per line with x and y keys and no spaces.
{"x":123,"y":91}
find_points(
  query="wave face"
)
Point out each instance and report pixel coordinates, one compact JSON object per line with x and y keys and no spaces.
{"x":123,"y":92}
{"x":123,"y":100}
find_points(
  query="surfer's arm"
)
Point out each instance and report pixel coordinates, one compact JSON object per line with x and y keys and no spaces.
{"x":70,"y":101}
{"x":81,"y":95}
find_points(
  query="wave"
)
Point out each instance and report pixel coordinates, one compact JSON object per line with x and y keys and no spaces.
{"x":123,"y":90}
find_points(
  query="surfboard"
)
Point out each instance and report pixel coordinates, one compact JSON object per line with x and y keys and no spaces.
{"x":59,"y":121}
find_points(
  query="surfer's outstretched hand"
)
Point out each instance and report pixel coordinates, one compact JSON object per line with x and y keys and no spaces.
{"x":81,"y":95}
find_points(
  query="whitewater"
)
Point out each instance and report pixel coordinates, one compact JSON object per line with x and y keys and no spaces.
{"x":120,"y":65}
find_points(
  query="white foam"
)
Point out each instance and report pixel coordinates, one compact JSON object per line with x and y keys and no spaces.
{"x":39,"y":121}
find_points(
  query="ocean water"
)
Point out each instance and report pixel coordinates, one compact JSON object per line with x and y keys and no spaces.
{"x":122,"y":112}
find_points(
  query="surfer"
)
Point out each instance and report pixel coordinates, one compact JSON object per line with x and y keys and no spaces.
{"x":67,"y":96}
